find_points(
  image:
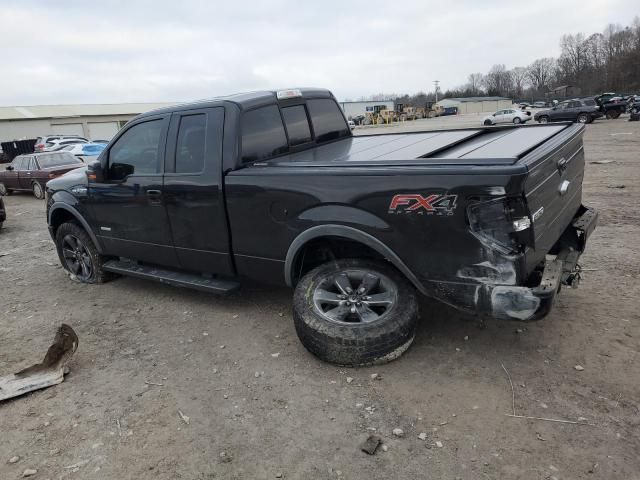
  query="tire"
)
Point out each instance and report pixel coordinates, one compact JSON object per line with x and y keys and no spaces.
{"x":38,"y":191}
{"x":609,"y":115}
{"x":583,"y":118}
{"x":543,"y":119}
{"x":488,"y":123}
{"x":85,"y":254}
{"x":4,"y":190}
{"x":516,"y":120}
{"x":345,"y":339}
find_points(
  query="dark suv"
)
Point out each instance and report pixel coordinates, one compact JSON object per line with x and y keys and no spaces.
{"x":581,"y":110}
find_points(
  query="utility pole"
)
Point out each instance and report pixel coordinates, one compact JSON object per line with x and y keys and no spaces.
{"x":437,"y":84}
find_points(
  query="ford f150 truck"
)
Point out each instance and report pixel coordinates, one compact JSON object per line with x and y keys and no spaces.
{"x":273,"y":186}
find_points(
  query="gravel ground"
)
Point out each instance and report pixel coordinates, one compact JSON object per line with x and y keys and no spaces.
{"x":260,"y":406}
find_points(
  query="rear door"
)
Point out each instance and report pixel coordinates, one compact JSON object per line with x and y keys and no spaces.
{"x":193,"y":193}
{"x":508,"y":116}
{"x":128,"y":208}
{"x":26,"y":174}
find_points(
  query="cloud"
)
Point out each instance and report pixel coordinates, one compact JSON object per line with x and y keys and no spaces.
{"x":116,"y":51}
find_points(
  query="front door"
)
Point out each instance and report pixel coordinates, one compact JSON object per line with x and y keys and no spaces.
{"x":193,"y":191}
{"x":10,"y":178}
{"x":128,"y":207}
{"x":498,"y":117}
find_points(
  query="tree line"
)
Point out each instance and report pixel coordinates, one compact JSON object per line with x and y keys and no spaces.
{"x":597,"y":63}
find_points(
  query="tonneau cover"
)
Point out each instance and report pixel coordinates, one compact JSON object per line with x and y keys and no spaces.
{"x":485,"y":146}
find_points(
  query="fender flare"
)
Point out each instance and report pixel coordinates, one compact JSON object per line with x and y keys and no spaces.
{"x":349,"y":233}
{"x":78,"y":217}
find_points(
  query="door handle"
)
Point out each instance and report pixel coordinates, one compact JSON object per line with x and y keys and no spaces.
{"x":154,"y":197}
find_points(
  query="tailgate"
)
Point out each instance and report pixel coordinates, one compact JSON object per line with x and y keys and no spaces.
{"x":553,"y":188}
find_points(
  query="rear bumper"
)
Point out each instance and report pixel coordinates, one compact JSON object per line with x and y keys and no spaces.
{"x":525,"y":303}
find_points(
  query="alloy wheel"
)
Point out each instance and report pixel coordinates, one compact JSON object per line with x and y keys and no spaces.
{"x":354,"y":296}
{"x":77,"y":257}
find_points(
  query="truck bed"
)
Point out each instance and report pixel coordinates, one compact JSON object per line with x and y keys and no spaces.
{"x":476,"y":146}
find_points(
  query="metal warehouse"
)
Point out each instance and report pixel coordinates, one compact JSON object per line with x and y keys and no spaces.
{"x":476,"y":104}
{"x":95,"y":122}
{"x":352,"y":109}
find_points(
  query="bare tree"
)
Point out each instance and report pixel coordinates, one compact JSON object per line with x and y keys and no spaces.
{"x":475,"y":82}
{"x":498,"y":81}
{"x":520,"y":78}
{"x":540,"y":73}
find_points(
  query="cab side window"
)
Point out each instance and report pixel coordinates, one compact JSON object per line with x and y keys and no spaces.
{"x":263,"y":134}
{"x":137,"y":151}
{"x":327,"y":120}
{"x":191,"y":144}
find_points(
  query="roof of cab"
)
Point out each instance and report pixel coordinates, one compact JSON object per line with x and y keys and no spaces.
{"x":243,"y":100}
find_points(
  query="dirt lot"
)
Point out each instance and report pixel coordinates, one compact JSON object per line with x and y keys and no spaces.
{"x":255,"y":414}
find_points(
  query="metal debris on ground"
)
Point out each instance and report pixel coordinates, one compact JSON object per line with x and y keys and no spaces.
{"x":41,"y":375}
{"x":184,"y":418}
{"x":370,"y":445}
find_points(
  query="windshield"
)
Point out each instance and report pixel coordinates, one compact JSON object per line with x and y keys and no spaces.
{"x":57,"y":159}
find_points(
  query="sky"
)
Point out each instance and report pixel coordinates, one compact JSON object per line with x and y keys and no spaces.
{"x":104,"y":51}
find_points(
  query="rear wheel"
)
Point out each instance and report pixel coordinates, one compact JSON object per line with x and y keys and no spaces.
{"x":543,"y":119}
{"x":516,"y":120}
{"x":583,"y":118}
{"x":79,"y":255}
{"x":38,"y":191}
{"x":4,"y":190}
{"x":355,"y":312}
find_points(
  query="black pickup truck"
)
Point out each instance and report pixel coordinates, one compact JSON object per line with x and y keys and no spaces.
{"x":273,"y":186}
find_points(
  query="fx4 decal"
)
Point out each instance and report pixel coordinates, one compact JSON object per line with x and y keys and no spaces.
{"x":433,"y":204}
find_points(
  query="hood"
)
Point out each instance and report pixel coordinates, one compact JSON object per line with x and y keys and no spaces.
{"x":77,"y":176}
{"x":61,"y":168}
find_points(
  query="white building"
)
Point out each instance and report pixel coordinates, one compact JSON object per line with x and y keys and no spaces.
{"x":352,"y":109}
{"x":476,"y":104}
{"x":95,"y":122}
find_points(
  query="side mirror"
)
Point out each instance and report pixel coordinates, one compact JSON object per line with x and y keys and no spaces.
{"x":9,"y":167}
{"x":95,"y":172}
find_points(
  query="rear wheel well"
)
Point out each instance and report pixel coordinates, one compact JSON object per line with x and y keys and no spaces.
{"x":324,"y":249}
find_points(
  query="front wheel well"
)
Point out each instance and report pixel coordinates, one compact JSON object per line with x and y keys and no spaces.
{"x":60,"y":216}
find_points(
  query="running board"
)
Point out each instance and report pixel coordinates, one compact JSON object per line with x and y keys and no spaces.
{"x":177,"y":279}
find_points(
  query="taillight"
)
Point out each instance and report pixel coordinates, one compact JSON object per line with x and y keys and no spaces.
{"x":504,"y":223}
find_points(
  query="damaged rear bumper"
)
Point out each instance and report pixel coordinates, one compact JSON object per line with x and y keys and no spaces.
{"x":531,"y":302}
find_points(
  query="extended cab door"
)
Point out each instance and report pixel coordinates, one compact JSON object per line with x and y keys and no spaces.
{"x":128,"y":207}
{"x":193,"y":191}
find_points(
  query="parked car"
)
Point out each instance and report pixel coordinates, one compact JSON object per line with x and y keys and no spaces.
{"x":274,"y":186}
{"x":612,"y":105}
{"x":84,"y":150}
{"x":352,"y":124}
{"x":3,"y":212}
{"x":510,"y":115}
{"x":540,"y":104}
{"x":32,"y":171}
{"x":45,"y":143}
{"x":581,"y":110}
{"x":55,"y":145}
